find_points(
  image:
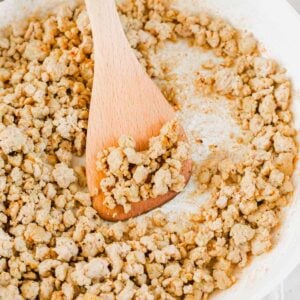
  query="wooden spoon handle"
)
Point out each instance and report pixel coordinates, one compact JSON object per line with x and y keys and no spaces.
{"x":124,"y":98}
{"x":110,"y":42}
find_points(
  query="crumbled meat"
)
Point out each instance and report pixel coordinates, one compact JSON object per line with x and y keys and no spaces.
{"x":63,"y":175}
{"x":12,"y":139}
{"x":160,"y":165}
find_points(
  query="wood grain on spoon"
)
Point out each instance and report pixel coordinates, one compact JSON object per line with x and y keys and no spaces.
{"x":124,"y":101}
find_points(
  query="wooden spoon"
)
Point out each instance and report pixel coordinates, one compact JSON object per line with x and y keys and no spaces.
{"x":124,"y":101}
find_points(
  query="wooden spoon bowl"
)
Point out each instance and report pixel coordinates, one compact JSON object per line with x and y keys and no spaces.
{"x":125,"y":101}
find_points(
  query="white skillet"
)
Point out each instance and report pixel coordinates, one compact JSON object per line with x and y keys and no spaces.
{"x":277,"y":26}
